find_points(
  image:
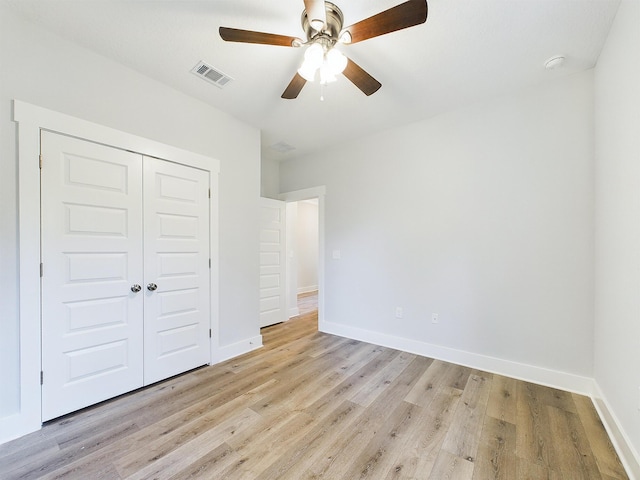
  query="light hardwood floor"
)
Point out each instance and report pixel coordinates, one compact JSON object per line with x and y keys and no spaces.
{"x":310,"y":405}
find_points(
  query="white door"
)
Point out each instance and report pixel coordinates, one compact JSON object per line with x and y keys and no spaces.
{"x":176,"y":271}
{"x":273,"y":307}
{"x":125,"y":285}
{"x":92,"y":321}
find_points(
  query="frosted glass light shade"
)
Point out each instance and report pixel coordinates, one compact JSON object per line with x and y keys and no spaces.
{"x":307,"y":72}
{"x":314,"y":56}
{"x":336,"y":61}
{"x":329,"y":64}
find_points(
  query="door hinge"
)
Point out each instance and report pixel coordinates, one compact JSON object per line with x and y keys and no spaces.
{"x":209,"y":263}
{"x":209,"y":333}
{"x":40,"y":162}
{"x":41,"y":270}
{"x":41,"y":377}
{"x":209,"y":193}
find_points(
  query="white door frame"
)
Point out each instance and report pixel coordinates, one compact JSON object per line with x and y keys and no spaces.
{"x":308,"y":194}
{"x":32,"y":119}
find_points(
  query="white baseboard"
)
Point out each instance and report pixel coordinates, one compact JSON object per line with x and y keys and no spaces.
{"x":236,"y":349}
{"x":628,"y":455}
{"x":20,"y":424}
{"x":16,"y":426}
{"x":552,"y":378}
{"x":520,"y":371}
{"x":309,"y":289}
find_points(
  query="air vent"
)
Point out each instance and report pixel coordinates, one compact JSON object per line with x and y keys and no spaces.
{"x":282,"y":147}
{"x":211,"y":75}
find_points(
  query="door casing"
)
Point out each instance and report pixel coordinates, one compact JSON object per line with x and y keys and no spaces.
{"x":31,"y":121}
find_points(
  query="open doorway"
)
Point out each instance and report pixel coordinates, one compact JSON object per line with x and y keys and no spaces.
{"x":302,"y":256}
{"x":305,"y":252}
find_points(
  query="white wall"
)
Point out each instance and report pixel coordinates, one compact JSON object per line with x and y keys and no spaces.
{"x":617,"y":266}
{"x":483,"y":215}
{"x":269,"y":178}
{"x":45,"y":70}
{"x":307,"y":246}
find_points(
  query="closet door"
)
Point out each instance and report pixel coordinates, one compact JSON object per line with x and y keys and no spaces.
{"x":176,"y":288}
{"x":92,"y":319}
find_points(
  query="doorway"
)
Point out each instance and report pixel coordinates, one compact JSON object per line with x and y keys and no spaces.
{"x":32,"y":121}
{"x":302,"y":258}
{"x":305,"y":251}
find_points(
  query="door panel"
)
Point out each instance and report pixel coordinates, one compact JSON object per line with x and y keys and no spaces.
{"x":272,"y":262}
{"x":177,"y":261}
{"x":92,"y":254}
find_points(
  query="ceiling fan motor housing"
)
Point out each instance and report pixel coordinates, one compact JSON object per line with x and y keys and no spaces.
{"x":332,"y":27}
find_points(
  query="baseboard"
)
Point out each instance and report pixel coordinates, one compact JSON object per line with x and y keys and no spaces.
{"x":309,"y":289}
{"x":294,"y":312}
{"x":16,"y":426}
{"x":236,"y":349}
{"x":520,"y":371}
{"x":628,"y":455}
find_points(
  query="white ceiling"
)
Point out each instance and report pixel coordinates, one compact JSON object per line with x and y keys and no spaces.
{"x":467,"y":51}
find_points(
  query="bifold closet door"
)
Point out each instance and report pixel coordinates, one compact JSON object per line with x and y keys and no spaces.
{"x":92,"y":319}
{"x":176,"y":245}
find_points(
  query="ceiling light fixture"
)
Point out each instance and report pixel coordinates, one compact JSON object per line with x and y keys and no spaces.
{"x":328,"y":61}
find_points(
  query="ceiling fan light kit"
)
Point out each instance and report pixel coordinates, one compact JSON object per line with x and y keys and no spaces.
{"x":329,"y":63}
{"x":322,"y":23}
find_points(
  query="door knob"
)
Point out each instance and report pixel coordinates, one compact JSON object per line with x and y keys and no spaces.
{"x":151,"y":287}
{"x":136,"y":288}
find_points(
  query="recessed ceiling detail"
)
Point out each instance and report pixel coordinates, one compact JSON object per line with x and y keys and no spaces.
{"x":211,"y":75}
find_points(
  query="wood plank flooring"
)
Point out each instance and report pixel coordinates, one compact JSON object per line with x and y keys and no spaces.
{"x":310,"y":405}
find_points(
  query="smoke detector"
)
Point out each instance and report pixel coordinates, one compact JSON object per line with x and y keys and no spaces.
{"x":555,"y":62}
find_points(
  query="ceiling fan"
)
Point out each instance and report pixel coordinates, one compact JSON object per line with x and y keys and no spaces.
{"x":322,"y":23}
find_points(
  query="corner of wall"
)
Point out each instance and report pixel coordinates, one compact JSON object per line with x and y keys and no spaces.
{"x":247,"y":345}
{"x":627,"y":453}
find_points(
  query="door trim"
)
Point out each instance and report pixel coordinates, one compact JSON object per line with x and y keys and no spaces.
{"x":307,"y":194}
{"x":32,"y":119}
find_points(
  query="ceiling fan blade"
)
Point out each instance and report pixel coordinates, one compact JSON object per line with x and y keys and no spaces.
{"x":407,"y":14}
{"x":360,"y":78}
{"x":294,"y":87}
{"x":316,"y":13}
{"x":249,"y":36}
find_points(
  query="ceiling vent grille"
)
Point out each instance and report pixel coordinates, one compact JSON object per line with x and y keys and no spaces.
{"x":211,"y":75}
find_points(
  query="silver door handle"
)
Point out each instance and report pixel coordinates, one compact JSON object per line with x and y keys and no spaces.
{"x":151,"y":287}
{"x":136,"y":288}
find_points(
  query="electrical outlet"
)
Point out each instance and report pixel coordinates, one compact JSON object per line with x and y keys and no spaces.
{"x":434,"y":318}
{"x":399,"y":312}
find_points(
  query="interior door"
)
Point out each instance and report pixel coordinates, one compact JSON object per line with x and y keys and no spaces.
{"x":273,"y":307}
{"x":92,"y":320}
{"x":176,"y":272}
